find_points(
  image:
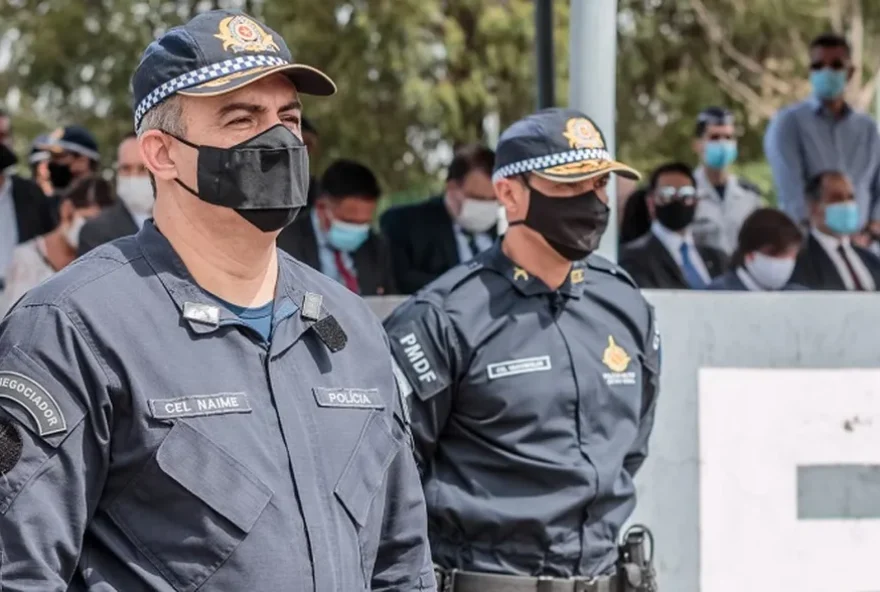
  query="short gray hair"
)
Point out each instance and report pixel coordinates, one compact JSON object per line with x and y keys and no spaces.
{"x":167,"y":116}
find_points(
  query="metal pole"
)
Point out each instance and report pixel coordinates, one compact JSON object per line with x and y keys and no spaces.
{"x":592,"y":85}
{"x":544,"y":53}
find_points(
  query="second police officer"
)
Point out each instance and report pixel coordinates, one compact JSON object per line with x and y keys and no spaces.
{"x":188,"y":408}
{"x":531,"y":376}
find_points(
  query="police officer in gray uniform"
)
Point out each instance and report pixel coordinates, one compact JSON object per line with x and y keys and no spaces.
{"x":531,"y":378}
{"x":188,"y":408}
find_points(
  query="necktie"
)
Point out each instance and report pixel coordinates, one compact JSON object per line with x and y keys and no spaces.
{"x":691,"y":276}
{"x":472,"y":244}
{"x":849,"y":267}
{"x":347,"y":277}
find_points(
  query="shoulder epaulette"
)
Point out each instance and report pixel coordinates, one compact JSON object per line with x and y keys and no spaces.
{"x":599,"y":263}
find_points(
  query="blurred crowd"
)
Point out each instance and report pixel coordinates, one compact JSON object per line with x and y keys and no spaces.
{"x":689,"y":226}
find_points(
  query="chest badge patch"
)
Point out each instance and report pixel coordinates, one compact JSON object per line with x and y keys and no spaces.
{"x":617,"y":360}
{"x":615,"y":357}
{"x":352,"y":398}
{"x":520,"y":366}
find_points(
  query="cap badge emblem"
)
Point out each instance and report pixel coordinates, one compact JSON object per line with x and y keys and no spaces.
{"x":582,"y":134}
{"x":239,"y":33}
{"x":615,"y":357}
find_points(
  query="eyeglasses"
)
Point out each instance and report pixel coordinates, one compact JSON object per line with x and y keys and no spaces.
{"x":666,"y":194}
{"x":715,"y":137}
{"x":835,"y":65}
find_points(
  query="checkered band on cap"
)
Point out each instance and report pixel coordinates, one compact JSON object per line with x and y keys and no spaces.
{"x":200,"y":76}
{"x":540,"y":163}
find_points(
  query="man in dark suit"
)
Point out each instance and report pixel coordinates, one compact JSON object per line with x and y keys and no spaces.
{"x":829,"y":260}
{"x":335,"y":236}
{"x":666,"y":257}
{"x":131,"y":210}
{"x":24,"y":209}
{"x":429,"y":238}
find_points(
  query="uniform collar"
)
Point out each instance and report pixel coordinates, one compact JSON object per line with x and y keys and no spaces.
{"x":526,"y":283}
{"x":198,"y":309}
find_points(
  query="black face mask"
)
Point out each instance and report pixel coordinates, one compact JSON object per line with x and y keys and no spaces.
{"x":573,"y":225}
{"x":676,"y":215}
{"x":60,"y":175}
{"x":265,"y":179}
{"x":7,"y":157}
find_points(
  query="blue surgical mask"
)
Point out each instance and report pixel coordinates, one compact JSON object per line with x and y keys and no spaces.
{"x":827,"y":83}
{"x":842,"y":218}
{"x":347,"y":237}
{"x":719,"y":154}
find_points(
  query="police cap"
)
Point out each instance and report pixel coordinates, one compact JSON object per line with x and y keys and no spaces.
{"x":72,"y":138}
{"x":558,"y":144}
{"x":215,"y":53}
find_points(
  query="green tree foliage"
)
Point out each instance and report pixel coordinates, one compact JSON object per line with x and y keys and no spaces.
{"x":417,"y":75}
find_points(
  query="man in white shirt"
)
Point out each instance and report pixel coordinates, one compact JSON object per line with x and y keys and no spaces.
{"x":134,"y":205}
{"x":667,"y":256}
{"x":829,"y":259}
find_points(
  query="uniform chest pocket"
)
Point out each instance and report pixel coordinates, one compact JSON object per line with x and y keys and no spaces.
{"x":190,"y":507}
{"x":364,"y":476}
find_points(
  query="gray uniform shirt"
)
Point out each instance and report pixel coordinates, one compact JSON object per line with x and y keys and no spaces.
{"x":531,"y":410}
{"x":165,"y":446}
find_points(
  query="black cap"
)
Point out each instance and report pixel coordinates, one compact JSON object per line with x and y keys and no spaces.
{"x":213,"y":54}
{"x":713,"y":116}
{"x":73,"y":138}
{"x":559,"y":144}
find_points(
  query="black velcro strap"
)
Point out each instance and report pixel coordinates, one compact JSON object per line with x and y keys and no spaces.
{"x":331,"y":333}
{"x":10,"y":446}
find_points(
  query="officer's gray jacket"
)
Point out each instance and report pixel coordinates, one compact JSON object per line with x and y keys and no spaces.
{"x":531,"y":410}
{"x":151,"y":441}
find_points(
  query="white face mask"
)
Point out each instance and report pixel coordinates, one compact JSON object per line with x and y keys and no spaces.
{"x":137,"y":195}
{"x":478,"y":215}
{"x":771,"y":273}
{"x":71,"y":234}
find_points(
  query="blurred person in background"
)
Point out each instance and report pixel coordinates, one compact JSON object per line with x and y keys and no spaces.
{"x":429,"y":238}
{"x":725,"y":200}
{"x":41,"y":257}
{"x":667,"y":257}
{"x":635,"y":220}
{"x":336,"y":236}
{"x":310,"y":139}
{"x":74,"y":155}
{"x":38,"y":162}
{"x":5,"y":129}
{"x":24,"y":209}
{"x":825,"y":133}
{"x":765,"y":255}
{"x":135,"y":203}
{"x":829,"y":260}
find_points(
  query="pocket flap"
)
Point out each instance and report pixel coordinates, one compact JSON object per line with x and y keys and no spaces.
{"x":211,"y":474}
{"x":365,"y":471}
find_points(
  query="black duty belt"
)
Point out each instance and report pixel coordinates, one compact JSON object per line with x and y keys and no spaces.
{"x":465,"y":581}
